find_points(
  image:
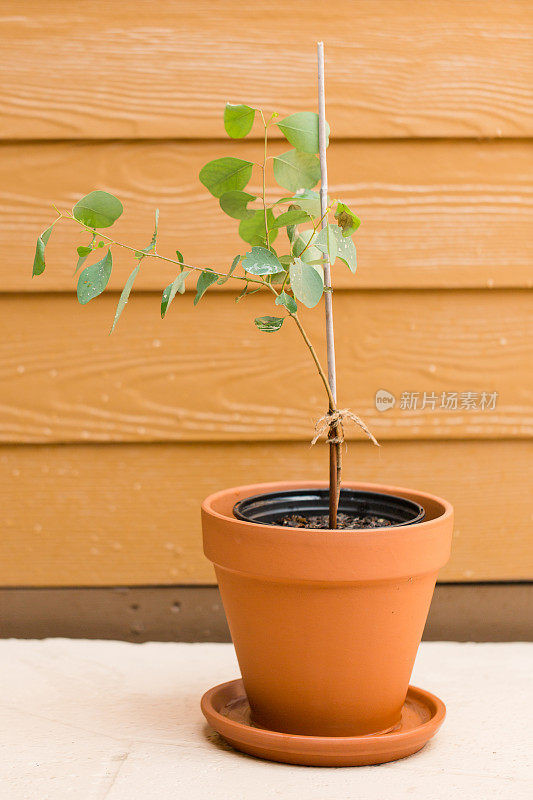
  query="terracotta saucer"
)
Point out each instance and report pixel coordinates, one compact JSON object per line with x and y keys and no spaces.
{"x":226,"y":709}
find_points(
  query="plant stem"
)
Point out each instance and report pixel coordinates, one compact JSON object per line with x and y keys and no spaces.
{"x":154,"y":255}
{"x":264,"y":182}
{"x":335,"y":455}
{"x":315,"y":228}
{"x":310,"y":347}
{"x":316,"y":360}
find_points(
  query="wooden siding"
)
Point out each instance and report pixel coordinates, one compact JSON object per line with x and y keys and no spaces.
{"x":436,"y":214}
{"x":396,"y":68}
{"x":108,"y":445}
{"x":206,"y":374}
{"x":130,"y":514}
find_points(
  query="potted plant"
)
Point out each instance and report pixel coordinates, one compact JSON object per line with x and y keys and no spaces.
{"x":326,"y":589}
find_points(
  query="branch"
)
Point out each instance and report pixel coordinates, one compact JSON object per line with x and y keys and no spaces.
{"x":97,"y":232}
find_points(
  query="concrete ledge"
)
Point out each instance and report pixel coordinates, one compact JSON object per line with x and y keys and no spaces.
{"x":496,"y":612}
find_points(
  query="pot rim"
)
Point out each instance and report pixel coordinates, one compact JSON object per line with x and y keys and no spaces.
{"x":279,"y":553}
{"x":249,"y":490}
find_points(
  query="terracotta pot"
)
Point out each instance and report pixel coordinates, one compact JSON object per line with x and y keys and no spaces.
{"x":326,"y":624}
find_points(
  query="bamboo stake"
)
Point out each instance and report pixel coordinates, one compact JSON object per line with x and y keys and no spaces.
{"x":335,"y":462}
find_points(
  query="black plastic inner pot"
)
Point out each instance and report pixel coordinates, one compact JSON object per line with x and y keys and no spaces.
{"x":269,"y":509}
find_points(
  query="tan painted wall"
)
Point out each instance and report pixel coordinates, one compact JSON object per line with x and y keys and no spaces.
{"x":108,"y":445}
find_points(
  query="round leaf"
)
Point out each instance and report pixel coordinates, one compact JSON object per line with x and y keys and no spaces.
{"x":225,"y":174}
{"x":307,"y":200}
{"x":269,"y":324}
{"x":346,"y":219}
{"x":252,"y":229}
{"x":306,"y":283}
{"x":345,"y":249}
{"x":94,"y":279}
{"x":301,"y":130}
{"x":294,"y":216}
{"x":238,"y":120}
{"x":304,"y":247}
{"x":294,"y":170}
{"x":234,"y":204}
{"x":98,"y":210}
{"x":326,"y":241}
{"x":260,"y":261}
{"x":284,"y":299}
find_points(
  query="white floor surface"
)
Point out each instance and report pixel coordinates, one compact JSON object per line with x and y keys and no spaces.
{"x":95,"y":720}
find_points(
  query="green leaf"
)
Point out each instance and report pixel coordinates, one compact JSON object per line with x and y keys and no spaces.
{"x":278,"y":277}
{"x":84,"y":252}
{"x":304,"y":247}
{"x":153,"y":240}
{"x":301,"y":130}
{"x":307,"y":200}
{"x":231,"y":271}
{"x":306,"y":283}
{"x":284,"y":299}
{"x":124,"y":297}
{"x":38,"y":260}
{"x":225,"y":175}
{"x":252,"y":229}
{"x":242,"y":294}
{"x":346,"y":219}
{"x":260,"y":261}
{"x":234,"y":204}
{"x":345,"y":249}
{"x":206,"y":279}
{"x":238,"y":120}
{"x":326,"y":241}
{"x":141,"y":253}
{"x":294,"y":216}
{"x":269,"y":324}
{"x":177,"y":285}
{"x":292,"y":233}
{"x":179,"y":256}
{"x":294,"y":170}
{"x":97,"y":210}
{"x":79,"y":265}
{"x":94,"y":279}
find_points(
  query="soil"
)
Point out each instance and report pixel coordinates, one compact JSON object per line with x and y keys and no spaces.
{"x":344,"y":521}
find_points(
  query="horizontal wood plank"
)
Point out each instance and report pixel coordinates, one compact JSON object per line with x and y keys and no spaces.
{"x":130,"y":514}
{"x":395,"y":68}
{"x":435,"y":214}
{"x":206,"y":373}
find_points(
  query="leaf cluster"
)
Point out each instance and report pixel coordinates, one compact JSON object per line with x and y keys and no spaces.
{"x":293,"y":271}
